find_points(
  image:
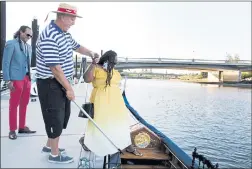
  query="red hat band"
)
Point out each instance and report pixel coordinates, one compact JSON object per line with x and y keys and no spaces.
{"x":68,"y":11}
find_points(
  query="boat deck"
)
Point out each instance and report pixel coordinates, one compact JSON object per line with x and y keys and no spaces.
{"x":148,"y":154}
{"x":143,"y":166}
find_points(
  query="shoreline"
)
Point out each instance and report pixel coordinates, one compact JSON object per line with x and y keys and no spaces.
{"x":224,"y":84}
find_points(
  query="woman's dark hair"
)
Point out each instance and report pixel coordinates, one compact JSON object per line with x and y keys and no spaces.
{"x":110,"y":58}
{"x":17,"y":34}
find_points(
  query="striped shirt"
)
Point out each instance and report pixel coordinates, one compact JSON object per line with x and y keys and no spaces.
{"x":54,"y":47}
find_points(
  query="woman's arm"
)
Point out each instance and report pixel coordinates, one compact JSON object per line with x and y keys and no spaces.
{"x":89,"y":73}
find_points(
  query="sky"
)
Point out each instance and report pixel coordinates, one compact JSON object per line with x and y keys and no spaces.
{"x":200,"y":30}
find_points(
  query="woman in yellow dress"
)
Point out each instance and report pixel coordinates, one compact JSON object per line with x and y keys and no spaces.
{"x":110,"y":112}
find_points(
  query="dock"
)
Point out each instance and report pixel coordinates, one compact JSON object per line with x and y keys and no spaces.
{"x":25,"y":151}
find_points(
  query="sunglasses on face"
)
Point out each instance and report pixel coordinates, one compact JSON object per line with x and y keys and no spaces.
{"x":28,"y":35}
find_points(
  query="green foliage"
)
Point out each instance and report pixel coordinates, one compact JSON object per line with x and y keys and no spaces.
{"x":246,"y":75}
{"x":191,"y":77}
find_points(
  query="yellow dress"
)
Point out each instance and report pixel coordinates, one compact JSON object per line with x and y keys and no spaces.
{"x":110,"y":114}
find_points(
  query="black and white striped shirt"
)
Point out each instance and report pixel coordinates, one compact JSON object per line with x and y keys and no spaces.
{"x":54,"y":47}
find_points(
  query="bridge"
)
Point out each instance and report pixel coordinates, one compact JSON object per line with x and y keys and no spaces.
{"x":216,"y":70}
{"x":188,"y":64}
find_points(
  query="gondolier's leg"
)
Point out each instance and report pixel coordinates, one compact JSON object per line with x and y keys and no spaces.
{"x":53,"y":100}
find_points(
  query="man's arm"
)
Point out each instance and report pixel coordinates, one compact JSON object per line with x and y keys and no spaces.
{"x":81,"y":49}
{"x":84,"y":51}
{"x":7,"y":55}
{"x":50,"y":51}
{"x":60,"y":76}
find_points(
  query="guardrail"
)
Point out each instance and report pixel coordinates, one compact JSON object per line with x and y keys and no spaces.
{"x":3,"y":84}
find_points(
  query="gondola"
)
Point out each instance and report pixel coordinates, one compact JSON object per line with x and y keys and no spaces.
{"x":158,"y":150}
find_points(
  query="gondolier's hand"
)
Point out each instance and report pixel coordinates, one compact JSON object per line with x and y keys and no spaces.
{"x":70,"y":94}
{"x":93,"y":55}
{"x":95,"y":60}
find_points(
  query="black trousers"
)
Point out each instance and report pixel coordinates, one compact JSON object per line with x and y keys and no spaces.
{"x":55,"y":106}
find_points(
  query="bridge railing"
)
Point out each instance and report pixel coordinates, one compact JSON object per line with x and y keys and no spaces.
{"x":174,"y":60}
{"x":169,"y":60}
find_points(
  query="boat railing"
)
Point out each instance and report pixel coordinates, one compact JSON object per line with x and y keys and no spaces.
{"x":174,"y":155}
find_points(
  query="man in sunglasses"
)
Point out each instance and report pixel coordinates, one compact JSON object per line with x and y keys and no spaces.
{"x":16,"y":73}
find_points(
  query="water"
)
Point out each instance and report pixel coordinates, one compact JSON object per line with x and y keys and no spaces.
{"x":216,"y":120}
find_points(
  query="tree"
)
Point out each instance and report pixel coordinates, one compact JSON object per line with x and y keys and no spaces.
{"x":232,"y":59}
{"x":236,"y":58}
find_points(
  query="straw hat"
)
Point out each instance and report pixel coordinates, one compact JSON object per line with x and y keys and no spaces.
{"x":65,"y":8}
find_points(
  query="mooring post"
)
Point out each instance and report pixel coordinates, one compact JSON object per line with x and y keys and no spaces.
{"x":35,"y":30}
{"x":76,"y":64}
{"x":3,"y":29}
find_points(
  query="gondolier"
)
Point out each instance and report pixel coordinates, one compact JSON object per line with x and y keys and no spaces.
{"x":54,"y":71}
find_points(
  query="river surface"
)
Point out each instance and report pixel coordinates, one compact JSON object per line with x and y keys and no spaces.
{"x":216,"y":120}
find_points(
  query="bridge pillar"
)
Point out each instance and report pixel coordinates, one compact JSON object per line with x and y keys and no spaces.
{"x":232,"y":76}
{"x":220,"y":76}
{"x":213,"y":76}
{"x":224,"y":76}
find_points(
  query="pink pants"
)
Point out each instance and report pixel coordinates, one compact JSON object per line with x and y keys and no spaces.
{"x":20,"y":96}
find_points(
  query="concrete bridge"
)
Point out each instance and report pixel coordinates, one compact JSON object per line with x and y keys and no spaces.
{"x":188,"y":64}
{"x":216,"y":70}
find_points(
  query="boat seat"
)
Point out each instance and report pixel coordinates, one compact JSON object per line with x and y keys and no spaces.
{"x":148,"y":154}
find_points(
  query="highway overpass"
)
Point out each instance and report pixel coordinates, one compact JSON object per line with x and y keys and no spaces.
{"x":217,"y":70}
{"x":188,"y":64}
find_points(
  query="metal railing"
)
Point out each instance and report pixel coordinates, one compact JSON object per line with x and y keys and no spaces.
{"x":3,"y":84}
{"x":173,"y":60}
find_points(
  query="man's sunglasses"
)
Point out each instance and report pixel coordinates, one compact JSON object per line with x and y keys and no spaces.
{"x":29,"y":36}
